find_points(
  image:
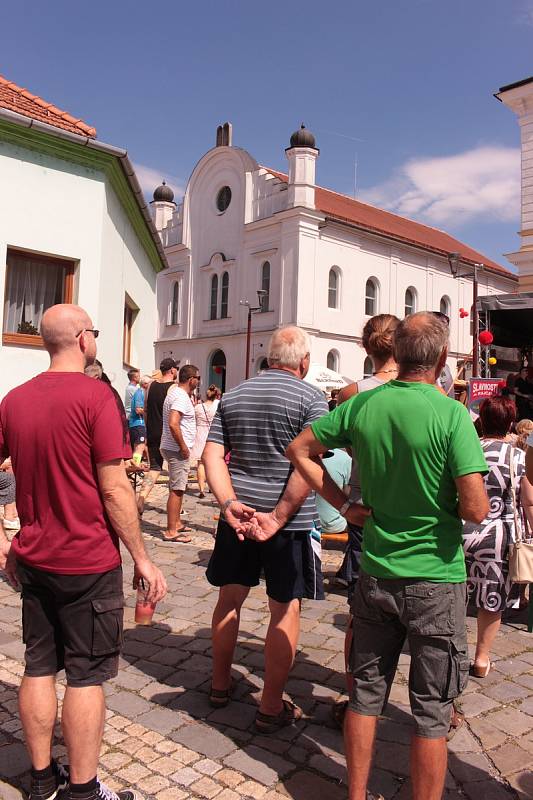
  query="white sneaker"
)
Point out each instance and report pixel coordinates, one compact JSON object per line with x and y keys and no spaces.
{"x":11,"y":524}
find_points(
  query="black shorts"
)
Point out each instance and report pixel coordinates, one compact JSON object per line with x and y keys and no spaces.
{"x":137,"y":435}
{"x":72,"y":622}
{"x":156,"y":459}
{"x":290,"y":561}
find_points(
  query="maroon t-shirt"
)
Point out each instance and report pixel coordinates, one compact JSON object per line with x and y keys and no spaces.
{"x":57,"y":427}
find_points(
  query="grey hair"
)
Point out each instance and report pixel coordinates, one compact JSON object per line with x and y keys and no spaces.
{"x":146,"y":380}
{"x":419,"y":341}
{"x":287,"y":347}
{"x":94,"y":371}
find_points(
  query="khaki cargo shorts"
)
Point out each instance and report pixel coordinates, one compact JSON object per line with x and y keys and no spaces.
{"x":178,"y":470}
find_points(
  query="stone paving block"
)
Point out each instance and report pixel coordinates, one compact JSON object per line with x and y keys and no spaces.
{"x":238,"y":715}
{"x":128,"y":704}
{"x":185,"y":776}
{"x":172,"y":794}
{"x":329,"y":767}
{"x":506,"y":691}
{"x":469,"y":767}
{"x":472,"y":705}
{"x":513,"y":666}
{"x":463,"y":741}
{"x":304,"y":784}
{"x":207,"y":766}
{"x":525,"y":680}
{"x":258,"y":764}
{"x":522,"y":783}
{"x":228,"y":794}
{"x":130,"y":680}
{"x":392,"y":757}
{"x":153,"y":784}
{"x":527,"y":706}
{"x":511,"y":721}
{"x":161,"y":720}
{"x":194,"y":703}
{"x":203,"y":739}
{"x":489,"y":735}
{"x":488,"y":790}
{"x":205,"y":787}
{"x":113,"y":761}
{"x":14,"y":760}
{"x":320,"y":739}
{"x":510,"y":758}
{"x":229,"y":777}
{"x":157,"y":671}
{"x":186,"y":679}
{"x":254,"y":790}
{"x":132,"y":773}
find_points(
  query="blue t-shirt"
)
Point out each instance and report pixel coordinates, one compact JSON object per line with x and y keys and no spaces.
{"x":137,"y":401}
{"x":339,"y":467}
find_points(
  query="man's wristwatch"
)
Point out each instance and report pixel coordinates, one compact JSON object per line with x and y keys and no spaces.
{"x":344,"y":508}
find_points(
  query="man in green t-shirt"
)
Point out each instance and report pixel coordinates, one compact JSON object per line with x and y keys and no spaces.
{"x":421,"y":468}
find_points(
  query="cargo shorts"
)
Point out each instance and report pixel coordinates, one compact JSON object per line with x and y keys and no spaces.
{"x":432,"y":618}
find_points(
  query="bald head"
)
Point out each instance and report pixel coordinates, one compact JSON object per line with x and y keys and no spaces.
{"x":61,"y":325}
{"x":419,"y":341}
{"x":287,"y":347}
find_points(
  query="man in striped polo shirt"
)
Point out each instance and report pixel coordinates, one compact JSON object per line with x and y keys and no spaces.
{"x":269,"y":520}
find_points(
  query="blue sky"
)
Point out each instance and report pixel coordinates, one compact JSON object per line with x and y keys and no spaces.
{"x":403,"y":87}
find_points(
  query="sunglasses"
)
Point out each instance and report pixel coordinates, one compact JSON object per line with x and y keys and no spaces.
{"x":94,"y":332}
{"x":443,"y":317}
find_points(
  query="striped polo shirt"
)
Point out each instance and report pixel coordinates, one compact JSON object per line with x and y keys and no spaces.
{"x":256,"y":421}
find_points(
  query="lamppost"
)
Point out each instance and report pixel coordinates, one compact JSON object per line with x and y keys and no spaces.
{"x":454,"y":260}
{"x":261,"y":293}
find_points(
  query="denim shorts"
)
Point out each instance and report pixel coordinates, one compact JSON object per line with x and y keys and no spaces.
{"x":431,"y":617}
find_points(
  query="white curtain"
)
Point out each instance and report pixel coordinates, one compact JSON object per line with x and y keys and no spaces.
{"x":32,"y":287}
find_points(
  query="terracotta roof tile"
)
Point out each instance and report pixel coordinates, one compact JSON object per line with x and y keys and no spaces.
{"x":346,"y":209}
{"x":16,"y":98}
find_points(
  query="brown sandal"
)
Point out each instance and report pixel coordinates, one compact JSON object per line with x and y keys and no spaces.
{"x":481,"y":672}
{"x":457,"y":721}
{"x":270,"y":723}
{"x":219,"y":698}
{"x":338,"y":712}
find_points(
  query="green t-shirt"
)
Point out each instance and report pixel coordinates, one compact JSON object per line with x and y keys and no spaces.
{"x":411,"y":442}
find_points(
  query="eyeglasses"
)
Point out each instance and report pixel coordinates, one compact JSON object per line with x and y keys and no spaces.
{"x":197,"y":377}
{"x":95,"y":332}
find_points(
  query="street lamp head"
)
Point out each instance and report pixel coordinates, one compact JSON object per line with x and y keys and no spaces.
{"x":244,"y":302}
{"x":453,"y":261}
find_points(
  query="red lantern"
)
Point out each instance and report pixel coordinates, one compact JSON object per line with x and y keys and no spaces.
{"x":461,"y":311}
{"x":486,"y":338}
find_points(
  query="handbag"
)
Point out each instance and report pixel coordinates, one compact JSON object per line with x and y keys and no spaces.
{"x":521,"y":550}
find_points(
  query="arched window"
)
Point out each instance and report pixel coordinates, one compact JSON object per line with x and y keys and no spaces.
{"x":410,"y":301}
{"x":371,"y":298}
{"x":265,"y":286}
{"x":333,"y":289}
{"x":445,"y":305}
{"x":332,"y":360}
{"x":175,"y":304}
{"x":224,"y":295}
{"x":214,"y":297}
{"x":368,"y":367}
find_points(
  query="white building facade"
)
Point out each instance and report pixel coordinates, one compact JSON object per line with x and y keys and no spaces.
{"x":320,"y":260}
{"x":72,"y":230}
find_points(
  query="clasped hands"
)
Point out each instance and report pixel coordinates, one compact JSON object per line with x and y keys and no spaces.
{"x":261,"y":526}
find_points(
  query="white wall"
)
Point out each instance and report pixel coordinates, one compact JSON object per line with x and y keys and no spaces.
{"x":57,"y":208}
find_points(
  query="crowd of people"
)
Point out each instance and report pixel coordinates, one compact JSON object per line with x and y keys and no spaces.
{"x":429,"y":507}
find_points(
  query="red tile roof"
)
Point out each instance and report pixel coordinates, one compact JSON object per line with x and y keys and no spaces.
{"x":15,"y":98}
{"x":346,"y":209}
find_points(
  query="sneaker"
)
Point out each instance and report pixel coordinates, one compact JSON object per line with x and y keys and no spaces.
{"x":11,"y":524}
{"x":103,"y":792}
{"x":50,"y":788}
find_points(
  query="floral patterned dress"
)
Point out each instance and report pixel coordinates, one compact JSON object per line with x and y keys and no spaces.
{"x":486,"y":545}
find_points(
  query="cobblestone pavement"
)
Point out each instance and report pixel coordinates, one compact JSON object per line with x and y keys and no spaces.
{"x":162,"y":737}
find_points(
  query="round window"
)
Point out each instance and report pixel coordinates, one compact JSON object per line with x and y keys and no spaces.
{"x":223,"y":198}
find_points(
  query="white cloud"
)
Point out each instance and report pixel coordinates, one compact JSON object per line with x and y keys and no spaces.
{"x":480,"y":184}
{"x":149,"y":178}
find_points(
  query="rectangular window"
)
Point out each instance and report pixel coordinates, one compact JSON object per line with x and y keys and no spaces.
{"x":33,"y":283}
{"x":129,"y":316}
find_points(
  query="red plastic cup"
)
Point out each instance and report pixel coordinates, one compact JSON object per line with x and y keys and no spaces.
{"x":144,"y":610}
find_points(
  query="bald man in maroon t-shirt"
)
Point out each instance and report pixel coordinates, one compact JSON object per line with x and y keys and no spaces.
{"x":65,"y":437}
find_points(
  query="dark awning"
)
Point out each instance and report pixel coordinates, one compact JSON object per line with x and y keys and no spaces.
{"x":510,"y":318}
